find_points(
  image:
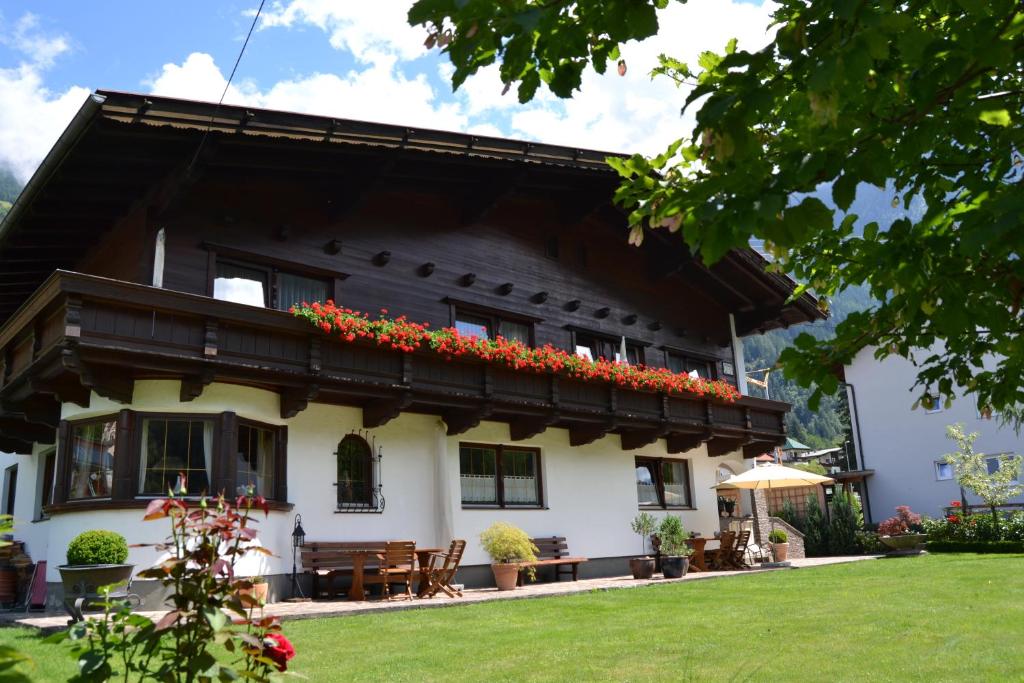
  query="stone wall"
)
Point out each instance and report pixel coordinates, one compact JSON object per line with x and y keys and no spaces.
{"x":763,"y":524}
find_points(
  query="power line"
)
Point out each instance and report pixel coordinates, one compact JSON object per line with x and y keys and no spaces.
{"x":227,"y":85}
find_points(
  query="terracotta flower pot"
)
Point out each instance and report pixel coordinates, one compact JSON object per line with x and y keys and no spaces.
{"x":642,"y":567}
{"x":260,"y":591}
{"x":780,"y":551}
{"x":675,"y":567}
{"x":506,"y":576}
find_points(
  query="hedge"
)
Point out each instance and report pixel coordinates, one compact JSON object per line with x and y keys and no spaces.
{"x":975,"y":546}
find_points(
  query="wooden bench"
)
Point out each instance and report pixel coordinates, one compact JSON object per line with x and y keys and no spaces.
{"x":331,"y":559}
{"x":553,"y":551}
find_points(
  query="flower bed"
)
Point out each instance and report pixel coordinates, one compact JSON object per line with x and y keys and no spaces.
{"x":400,"y":334}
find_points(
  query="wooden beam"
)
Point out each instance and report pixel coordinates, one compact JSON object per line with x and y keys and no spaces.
{"x":638,"y":438}
{"x":461,"y":421}
{"x":723,"y":445}
{"x":108,"y":382}
{"x":17,"y":427}
{"x":41,"y":409}
{"x":380,"y":411}
{"x":10,"y":444}
{"x":581,"y":435}
{"x":295,"y":400}
{"x":681,"y":443}
{"x":528,"y":427}
{"x":192,"y":385}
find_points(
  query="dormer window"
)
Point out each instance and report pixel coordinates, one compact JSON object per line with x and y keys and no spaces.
{"x":687,"y":365}
{"x":264,"y":286}
{"x":473,"y":323}
{"x":593,"y":346}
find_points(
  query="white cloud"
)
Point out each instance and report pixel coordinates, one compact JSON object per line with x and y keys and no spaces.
{"x":634,"y":113}
{"x":33,"y":116}
{"x":378,"y":93}
{"x":366,"y":28}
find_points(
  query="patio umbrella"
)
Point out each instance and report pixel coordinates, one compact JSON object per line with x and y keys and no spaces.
{"x":771,"y":476}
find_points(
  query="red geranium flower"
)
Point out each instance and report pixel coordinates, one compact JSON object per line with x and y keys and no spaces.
{"x":278,"y":649}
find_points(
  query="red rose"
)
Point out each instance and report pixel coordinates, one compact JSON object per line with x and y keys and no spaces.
{"x":278,"y":649}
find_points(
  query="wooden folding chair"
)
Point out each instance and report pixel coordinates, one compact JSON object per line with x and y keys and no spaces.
{"x":738,"y":559}
{"x":441,"y":571}
{"x":398,"y":563}
{"x":720,"y":558}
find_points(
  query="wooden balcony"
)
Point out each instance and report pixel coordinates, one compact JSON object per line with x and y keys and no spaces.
{"x":79,"y":333}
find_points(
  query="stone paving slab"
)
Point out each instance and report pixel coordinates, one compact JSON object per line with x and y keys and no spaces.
{"x":335,"y":608}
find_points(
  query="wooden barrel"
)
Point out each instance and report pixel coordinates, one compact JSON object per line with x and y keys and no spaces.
{"x":8,"y":584}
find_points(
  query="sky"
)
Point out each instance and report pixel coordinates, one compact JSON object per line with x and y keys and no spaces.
{"x":354,"y":59}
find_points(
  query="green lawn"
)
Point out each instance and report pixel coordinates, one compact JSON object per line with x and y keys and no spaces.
{"x":929,"y":618}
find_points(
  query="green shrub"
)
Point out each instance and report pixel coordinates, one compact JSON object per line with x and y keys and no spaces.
{"x":789,"y":515}
{"x":672,"y":535}
{"x":98,"y":547}
{"x":868,"y":543}
{"x":778,"y":536}
{"x":507,"y":544}
{"x":815,"y":530}
{"x":843,"y":527}
{"x":975,"y":546}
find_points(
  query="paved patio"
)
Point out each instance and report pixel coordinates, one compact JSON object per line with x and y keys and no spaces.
{"x":335,"y":608}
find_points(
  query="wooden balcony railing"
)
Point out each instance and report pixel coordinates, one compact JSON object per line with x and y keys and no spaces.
{"x":78,"y":334}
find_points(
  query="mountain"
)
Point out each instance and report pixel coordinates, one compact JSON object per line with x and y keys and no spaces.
{"x":829,"y":426}
{"x":9,"y":189}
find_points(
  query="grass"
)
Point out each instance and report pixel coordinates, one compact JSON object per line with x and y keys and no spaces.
{"x":928,"y":618}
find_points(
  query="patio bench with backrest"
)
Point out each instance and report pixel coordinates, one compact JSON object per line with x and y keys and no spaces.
{"x":332,"y":559}
{"x":553,"y":551}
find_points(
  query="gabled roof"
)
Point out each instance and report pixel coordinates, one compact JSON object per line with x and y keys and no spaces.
{"x":124,"y":148}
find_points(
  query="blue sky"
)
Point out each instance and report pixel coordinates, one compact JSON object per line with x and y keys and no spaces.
{"x":344,"y":58}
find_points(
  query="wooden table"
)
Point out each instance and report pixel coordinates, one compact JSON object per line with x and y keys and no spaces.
{"x":697,"y":559}
{"x":359,"y":556}
{"x":423,"y":560}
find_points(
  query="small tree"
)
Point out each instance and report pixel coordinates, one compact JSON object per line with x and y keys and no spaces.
{"x":842,"y":529}
{"x":643,"y":524}
{"x":971,"y":469}
{"x":815,"y":529}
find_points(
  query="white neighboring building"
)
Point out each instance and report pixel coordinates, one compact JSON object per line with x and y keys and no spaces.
{"x":905,"y":448}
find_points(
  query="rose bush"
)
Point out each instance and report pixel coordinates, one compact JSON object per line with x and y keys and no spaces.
{"x":400,"y":334}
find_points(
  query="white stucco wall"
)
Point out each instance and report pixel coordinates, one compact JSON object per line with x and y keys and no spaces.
{"x":902,"y":445}
{"x":590,"y":491}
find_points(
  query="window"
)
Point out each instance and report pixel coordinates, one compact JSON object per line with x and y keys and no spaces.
{"x":503,"y":476}
{"x":203,"y":454}
{"x":265,"y":286}
{"x":256,"y":461}
{"x":943,"y":471}
{"x":172,"y":448}
{"x":688,"y":364}
{"x":44,"y":496}
{"x":10,"y":489}
{"x":595,"y":346}
{"x":663,"y":483}
{"x":996,"y":462}
{"x":356,"y":485}
{"x":936,"y":404}
{"x":91,"y":459}
{"x":488,"y":326}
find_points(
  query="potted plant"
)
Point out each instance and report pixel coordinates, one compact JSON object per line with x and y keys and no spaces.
{"x":779,"y":540}
{"x":902,"y":533}
{"x":260,"y":589}
{"x":643,"y":567}
{"x":675,"y":553}
{"x":508,"y":546}
{"x":96,"y":558}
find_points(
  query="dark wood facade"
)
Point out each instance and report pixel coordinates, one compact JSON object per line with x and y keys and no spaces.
{"x":418,"y":222}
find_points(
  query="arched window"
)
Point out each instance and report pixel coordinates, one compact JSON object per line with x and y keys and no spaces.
{"x":355,"y":473}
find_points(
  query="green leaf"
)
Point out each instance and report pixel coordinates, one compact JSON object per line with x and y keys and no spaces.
{"x":844,"y":189}
{"x":995,"y":117}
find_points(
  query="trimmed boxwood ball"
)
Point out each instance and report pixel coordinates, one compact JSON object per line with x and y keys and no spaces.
{"x":98,"y":547}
